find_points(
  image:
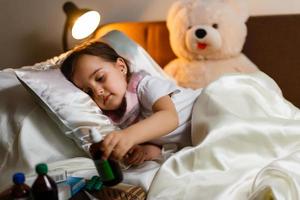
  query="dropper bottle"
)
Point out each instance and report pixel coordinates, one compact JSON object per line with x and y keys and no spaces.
{"x":20,"y":190}
{"x":109,"y":170}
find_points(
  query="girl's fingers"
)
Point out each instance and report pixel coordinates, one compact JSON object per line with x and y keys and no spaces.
{"x":132,"y":149}
{"x":140,"y":159}
{"x":133,"y":154}
{"x":107,"y":153}
{"x":118,"y":153}
{"x":106,"y":142}
{"x":137,"y":158}
{"x":115,"y":145}
{"x":132,"y":157}
{"x":109,"y":144}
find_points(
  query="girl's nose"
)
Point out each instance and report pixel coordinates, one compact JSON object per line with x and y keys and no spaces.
{"x":99,"y":91}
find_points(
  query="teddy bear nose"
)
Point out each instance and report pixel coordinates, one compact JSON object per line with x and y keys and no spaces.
{"x":200,"y":33}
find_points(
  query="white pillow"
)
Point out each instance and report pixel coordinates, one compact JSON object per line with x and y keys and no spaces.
{"x":73,"y":110}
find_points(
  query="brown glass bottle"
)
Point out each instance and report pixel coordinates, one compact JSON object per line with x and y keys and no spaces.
{"x":20,"y":190}
{"x":109,"y":170}
{"x":44,"y":187}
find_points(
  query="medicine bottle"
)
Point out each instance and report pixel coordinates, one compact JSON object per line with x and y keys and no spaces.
{"x":20,"y":190}
{"x":109,"y":170}
{"x":44,"y":187}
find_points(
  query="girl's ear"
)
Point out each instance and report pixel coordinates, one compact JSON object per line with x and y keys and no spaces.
{"x":121,"y":65}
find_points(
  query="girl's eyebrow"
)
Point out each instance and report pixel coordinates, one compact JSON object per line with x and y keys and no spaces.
{"x":90,"y":76}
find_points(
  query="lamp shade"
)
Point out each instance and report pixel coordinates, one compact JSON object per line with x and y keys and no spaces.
{"x":82,"y":22}
{"x":85,"y":25}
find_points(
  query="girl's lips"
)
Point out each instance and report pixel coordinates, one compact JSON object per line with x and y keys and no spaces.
{"x":105,"y":99}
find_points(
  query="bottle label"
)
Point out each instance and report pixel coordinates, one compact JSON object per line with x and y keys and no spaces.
{"x":104,"y":169}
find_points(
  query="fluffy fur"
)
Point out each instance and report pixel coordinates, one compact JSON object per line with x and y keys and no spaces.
{"x":207,"y":36}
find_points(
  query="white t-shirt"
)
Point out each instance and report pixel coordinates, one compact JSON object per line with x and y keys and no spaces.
{"x":151,"y":88}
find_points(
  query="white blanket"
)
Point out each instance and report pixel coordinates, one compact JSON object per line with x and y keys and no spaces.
{"x":246,"y":139}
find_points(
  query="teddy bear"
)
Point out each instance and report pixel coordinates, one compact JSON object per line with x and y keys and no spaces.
{"x":207,"y":36}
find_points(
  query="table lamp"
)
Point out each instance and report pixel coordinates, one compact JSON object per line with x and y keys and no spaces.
{"x":82,"y":22}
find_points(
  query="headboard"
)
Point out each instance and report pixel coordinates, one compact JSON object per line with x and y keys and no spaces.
{"x":272,"y":44}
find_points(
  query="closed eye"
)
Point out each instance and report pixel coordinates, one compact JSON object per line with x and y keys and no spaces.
{"x":100,"y":79}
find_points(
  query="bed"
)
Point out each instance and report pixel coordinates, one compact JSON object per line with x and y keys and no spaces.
{"x":272,"y":45}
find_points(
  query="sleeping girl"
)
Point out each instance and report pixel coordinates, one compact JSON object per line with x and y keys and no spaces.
{"x":150,"y":111}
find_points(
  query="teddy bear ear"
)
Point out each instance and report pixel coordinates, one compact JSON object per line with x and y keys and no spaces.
{"x":241,"y":7}
{"x":175,"y":8}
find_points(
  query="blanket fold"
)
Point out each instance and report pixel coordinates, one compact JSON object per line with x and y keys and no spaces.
{"x":241,"y":127}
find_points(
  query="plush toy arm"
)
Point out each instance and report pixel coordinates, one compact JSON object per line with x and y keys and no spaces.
{"x":247,"y":64}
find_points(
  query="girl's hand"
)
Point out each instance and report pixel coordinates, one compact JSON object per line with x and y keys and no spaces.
{"x":116,"y":144}
{"x":141,"y":153}
{"x":135,"y":156}
{"x":151,"y":151}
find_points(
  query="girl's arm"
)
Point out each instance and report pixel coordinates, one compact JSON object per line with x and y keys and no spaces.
{"x":163,"y":121}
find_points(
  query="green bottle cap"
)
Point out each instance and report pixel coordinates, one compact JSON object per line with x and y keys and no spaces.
{"x":41,"y":168}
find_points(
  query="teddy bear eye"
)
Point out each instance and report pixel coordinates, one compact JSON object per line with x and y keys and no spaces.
{"x":215,"y":26}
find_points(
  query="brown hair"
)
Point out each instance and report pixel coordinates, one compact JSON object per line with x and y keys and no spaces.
{"x":99,"y":49}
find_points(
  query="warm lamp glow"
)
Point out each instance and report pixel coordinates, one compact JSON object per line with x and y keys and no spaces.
{"x":83,"y":22}
{"x":85,"y":25}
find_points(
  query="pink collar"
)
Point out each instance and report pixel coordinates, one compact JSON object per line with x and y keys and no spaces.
{"x":125,"y":117}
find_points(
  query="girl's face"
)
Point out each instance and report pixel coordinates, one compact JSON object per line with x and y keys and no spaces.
{"x":104,"y":81}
